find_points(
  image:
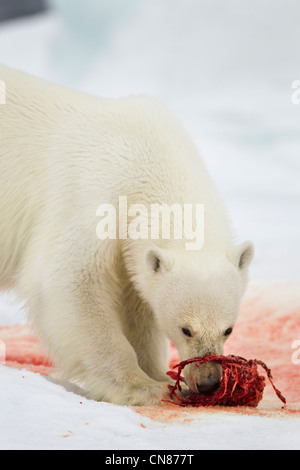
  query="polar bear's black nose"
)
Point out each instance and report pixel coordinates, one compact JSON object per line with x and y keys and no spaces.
{"x":208,"y":386}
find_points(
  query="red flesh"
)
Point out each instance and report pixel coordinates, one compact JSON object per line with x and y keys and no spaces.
{"x":241,"y":384}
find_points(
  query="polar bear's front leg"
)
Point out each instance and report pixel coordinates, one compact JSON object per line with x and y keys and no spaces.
{"x":145,"y":335}
{"x":80,"y":325}
{"x":112,"y":372}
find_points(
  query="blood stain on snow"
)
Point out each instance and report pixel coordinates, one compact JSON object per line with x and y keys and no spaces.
{"x":23,"y":351}
{"x":69,"y":434}
{"x":269,"y":323}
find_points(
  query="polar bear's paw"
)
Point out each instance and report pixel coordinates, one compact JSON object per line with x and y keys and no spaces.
{"x":146,"y":392}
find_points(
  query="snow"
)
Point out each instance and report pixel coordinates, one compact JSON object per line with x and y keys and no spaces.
{"x":226,"y":69}
{"x":41,"y":415}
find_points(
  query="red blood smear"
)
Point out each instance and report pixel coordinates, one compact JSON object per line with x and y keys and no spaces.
{"x":23,"y":351}
{"x":241,"y":384}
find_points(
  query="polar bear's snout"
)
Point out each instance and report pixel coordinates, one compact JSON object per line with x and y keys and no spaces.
{"x":204,"y":379}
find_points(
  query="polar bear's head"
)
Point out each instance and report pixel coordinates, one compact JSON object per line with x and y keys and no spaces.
{"x":196,"y":300}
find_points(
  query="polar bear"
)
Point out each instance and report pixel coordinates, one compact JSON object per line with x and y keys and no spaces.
{"x":106,"y":309}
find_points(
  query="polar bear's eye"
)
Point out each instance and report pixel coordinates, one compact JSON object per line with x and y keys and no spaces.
{"x":228,"y":332}
{"x":187,"y":332}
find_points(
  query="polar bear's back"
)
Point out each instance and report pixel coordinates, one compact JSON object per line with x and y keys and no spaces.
{"x":62,"y":153}
{"x":135,"y":133}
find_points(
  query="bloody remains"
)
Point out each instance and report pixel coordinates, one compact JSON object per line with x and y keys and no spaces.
{"x":241,"y":384}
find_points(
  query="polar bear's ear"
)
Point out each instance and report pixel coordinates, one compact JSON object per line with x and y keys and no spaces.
{"x":243,"y":255}
{"x":159,"y":261}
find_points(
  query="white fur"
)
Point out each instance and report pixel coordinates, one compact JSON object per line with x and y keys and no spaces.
{"x":101,"y":308}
